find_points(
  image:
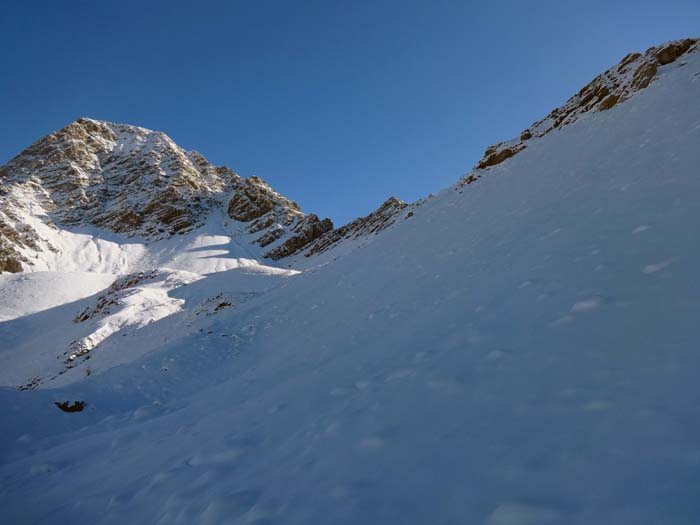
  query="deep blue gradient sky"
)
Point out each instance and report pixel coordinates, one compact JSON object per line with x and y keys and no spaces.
{"x":337,"y":104}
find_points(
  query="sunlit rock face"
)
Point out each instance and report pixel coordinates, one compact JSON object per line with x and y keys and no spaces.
{"x":137,"y":183}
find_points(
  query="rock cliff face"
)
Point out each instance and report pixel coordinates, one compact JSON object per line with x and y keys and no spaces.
{"x":378,"y":220}
{"x":634,"y":73}
{"x":123,"y":178}
{"x":305,"y":231}
{"x":274,"y":216}
{"x":137,"y":183}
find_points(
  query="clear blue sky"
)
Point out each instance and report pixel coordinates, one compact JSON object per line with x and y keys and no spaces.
{"x":337,"y":104}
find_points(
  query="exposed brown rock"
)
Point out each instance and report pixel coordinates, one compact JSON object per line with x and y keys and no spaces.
{"x":671,"y":51}
{"x":13,"y":237}
{"x":275,"y":216}
{"x":469,"y":178}
{"x":249,"y":203}
{"x":270,"y":236}
{"x":254,"y":198}
{"x":8,"y":263}
{"x":631,"y":57}
{"x":378,"y":220}
{"x":496,"y":156}
{"x":608,"y":102}
{"x":308,"y":230}
{"x":643,"y":75}
{"x":261,"y":223}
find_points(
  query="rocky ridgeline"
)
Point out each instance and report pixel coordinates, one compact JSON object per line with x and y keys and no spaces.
{"x":634,"y":73}
{"x":274,"y":217}
{"x":378,"y":220}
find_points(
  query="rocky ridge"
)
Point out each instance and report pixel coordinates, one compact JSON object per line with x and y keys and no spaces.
{"x":378,"y":220}
{"x":634,"y":73}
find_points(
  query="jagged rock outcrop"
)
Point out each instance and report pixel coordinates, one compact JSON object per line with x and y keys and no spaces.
{"x":275,"y":216}
{"x":305,"y":231}
{"x":254,"y":198}
{"x":498,"y":153}
{"x":378,"y":220}
{"x":634,"y":73}
{"x":10,"y":258}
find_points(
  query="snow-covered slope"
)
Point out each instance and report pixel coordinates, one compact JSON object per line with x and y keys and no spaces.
{"x":517,"y":351}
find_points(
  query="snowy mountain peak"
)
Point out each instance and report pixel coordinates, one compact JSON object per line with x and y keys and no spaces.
{"x":125,"y":178}
{"x":137,"y":183}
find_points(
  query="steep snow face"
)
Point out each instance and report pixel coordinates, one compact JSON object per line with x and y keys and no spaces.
{"x":522,"y":350}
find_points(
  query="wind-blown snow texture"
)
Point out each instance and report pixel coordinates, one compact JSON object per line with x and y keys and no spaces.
{"x":519,"y":351}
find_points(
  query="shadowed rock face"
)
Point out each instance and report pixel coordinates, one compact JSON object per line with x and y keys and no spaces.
{"x":634,"y":73}
{"x":667,"y":53}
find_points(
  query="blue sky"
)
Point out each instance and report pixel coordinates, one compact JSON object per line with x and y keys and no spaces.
{"x":337,"y":104}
